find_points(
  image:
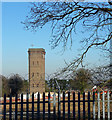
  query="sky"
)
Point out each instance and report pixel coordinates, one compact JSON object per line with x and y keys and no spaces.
{"x":16,"y":41}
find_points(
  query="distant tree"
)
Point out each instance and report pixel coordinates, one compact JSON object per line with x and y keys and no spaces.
{"x":80,"y":79}
{"x":5,"y":87}
{"x":25,"y":87}
{"x":15,"y":84}
{"x":101,"y":76}
{"x":94,"y":18}
{"x":47,"y":88}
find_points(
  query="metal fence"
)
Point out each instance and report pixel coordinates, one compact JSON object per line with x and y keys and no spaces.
{"x":69,"y":106}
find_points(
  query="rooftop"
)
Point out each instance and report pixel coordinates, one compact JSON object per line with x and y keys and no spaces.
{"x":36,"y":49}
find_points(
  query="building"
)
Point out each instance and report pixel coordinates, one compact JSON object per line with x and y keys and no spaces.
{"x":36,"y":70}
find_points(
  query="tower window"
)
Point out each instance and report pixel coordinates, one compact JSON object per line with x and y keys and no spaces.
{"x":37,"y":85}
{"x":33,"y":85}
{"x":33,"y":62}
{"x":32,"y":74}
{"x":37,"y":74}
{"x":37,"y":63}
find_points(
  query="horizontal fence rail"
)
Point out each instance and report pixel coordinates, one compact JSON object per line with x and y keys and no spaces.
{"x":58,"y":106}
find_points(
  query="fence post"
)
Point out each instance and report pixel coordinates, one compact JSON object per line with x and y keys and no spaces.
{"x":4,"y":106}
{"x":49,"y":105}
{"x":94,"y":105}
{"x":98,"y":106}
{"x":43,"y":106}
{"x":73,"y":105}
{"x":27,"y":107}
{"x":84,"y":106}
{"x":32,"y":106}
{"x":78,"y":105}
{"x":63,"y":105}
{"x":59,"y":107}
{"x":16,"y":107}
{"x":108,"y":97}
{"x":54,"y":105}
{"x":88,"y":105}
{"x":103,"y":97}
{"x":38,"y":106}
{"x":68,"y":105}
{"x":10,"y":108}
{"x":22,"y":106}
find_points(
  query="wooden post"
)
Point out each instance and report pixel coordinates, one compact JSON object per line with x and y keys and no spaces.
{"x":54,"y":106}
{"x":59,"y":106}
{"x":74,"y":105}
{"x":49,"y":105}
{"x":10,"y":108}
{"x":32,"y":106}
{"x":4,"y":107}
{"x":84,"y":106}
{"x":78,"y":105}
{"x":22,"y":106}
{"x":43,"y":106}
{"x":68,"y":105}
{"x":88,"y":105}
{"x":16,"y":106}
{"x":38,"y":106}
{"x":27,"y":107}
{"x":63,"y":105}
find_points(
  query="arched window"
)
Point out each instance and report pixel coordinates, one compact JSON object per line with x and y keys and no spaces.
{"x":33,"y":62}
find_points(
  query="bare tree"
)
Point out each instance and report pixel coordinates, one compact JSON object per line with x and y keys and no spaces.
{"x":95,"y":18}
{"x":102,"y":76}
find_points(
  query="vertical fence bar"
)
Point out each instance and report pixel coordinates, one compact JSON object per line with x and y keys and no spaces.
{"x":84,"y":106}
{"x":63,"y":105}
{"x":27,"y":107}
{"x":43,"y":106}
{"x":49,"y":105}
{"x":103,"y":97}
{"x":54,"y":106}
{"x":10,"y":108}
{"x":59,"y":110}
{"x":108,"y":98}
{"x":38,"y":106}
{"x":4,"y":117}
{"x":93,"y":105}
{"x":73,"y":105}
{"x":32,"y":106}
{"x":22,"y":106}
{"x":98,"y":106}
{"x":16,"y":107}
{"x":68,"y":105}
{"x":78,"y":105}
{"x":88,"y":105}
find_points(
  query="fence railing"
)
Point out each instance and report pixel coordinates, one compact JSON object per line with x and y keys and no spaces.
{"x":66,"y":106}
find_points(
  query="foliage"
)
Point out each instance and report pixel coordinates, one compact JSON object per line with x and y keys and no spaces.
{"x":5,"y":87}
{"x":94,"y":18}
{"x":15,"y":84}
{"x":101,"y":76}
{"x":25,"y":87}
{"x":61,"y":85}
{"x":80,"y":79}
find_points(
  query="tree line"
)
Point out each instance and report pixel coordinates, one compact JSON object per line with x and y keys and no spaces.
{"x":81,"y":80}
{"x":14,"y":84}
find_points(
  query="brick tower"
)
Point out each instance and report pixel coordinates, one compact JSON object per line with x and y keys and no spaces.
{"x":36,"y":70}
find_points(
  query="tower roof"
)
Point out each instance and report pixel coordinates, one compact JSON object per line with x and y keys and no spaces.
{"x":36,"y":49}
